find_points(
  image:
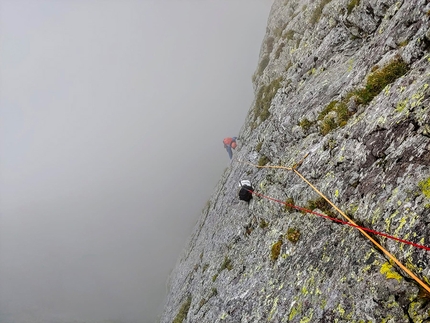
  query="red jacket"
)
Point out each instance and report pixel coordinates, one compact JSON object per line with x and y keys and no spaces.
{"x":227,"y":141}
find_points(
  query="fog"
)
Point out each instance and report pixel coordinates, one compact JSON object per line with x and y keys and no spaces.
{"x":112,"y":115}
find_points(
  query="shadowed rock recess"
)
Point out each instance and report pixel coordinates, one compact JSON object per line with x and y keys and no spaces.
{"x":346,"y":81}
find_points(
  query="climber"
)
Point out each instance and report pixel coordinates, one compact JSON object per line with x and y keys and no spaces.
{"x":246,"y":189}
{"x":230,"y":143}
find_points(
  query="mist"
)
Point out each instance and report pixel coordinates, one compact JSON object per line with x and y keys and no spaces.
{"x":112,"y":115}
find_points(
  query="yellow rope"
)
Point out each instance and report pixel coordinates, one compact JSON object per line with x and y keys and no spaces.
{"x":411,"y":274}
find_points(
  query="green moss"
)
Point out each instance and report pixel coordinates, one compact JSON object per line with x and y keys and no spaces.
{"x":321,"y":204}
{"x":403,"y":43}
{"x":306,"y":124}
{"x":293,"y":235}
{"x":226,"y":264}
{"x":316,"y":15}
{"x":276,"y":250}
{"x":328,"y":125}
{"x":183,"y":311}
{"x":258,"y":147}
{"x":263,"y":161}
{"x":330,"y":107}
{"x":289,"y":201}
{"x":351,"y":5}
{"x":205,"y":267}
{"x":264,"y":99}
{"x":379,"y":79}
{"x":342,"y":115}
{"x":424,"y":185}
{"x":263,"y":224}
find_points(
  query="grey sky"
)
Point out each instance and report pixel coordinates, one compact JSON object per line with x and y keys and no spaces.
{"x":112,"y":115}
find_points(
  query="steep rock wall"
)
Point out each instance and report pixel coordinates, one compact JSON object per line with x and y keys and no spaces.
{"x":346,"y":81}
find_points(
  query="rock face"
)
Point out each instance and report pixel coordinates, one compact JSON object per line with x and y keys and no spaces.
{"x":346,"y":81}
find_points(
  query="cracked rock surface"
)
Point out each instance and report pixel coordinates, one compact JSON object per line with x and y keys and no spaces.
{"x":347,"y":82}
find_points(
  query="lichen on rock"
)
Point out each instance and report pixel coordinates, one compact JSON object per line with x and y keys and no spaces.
{"x":359,"y":70}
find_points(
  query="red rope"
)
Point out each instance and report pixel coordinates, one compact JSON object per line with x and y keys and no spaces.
{"x":416,"y":245}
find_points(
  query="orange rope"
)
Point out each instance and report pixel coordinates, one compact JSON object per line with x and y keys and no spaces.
{"x":416,"y":245}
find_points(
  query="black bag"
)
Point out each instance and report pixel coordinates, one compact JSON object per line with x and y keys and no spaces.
{"x":246,"y":189}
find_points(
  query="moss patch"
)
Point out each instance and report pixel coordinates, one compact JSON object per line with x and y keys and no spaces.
{"x":379,"y":79}
{"x":351,"y":5}
{"x":226,"y":264}
{"x":264,"y":99}
{"x":258,"y":146}
{"x":276,"y":250}
{"x":289,"y":201}
{"x":321,"y":204}
{"x":305,"y":124}
{"x":293,"y":235}
{"x":263,"y":161}
{"x":331,"y":121}
{"x":336,"y":113}
{"x":183,"y":311}
{"x":264,"y":224}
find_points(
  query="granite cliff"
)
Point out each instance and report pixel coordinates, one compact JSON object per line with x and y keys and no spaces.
{"x":346,"y":81}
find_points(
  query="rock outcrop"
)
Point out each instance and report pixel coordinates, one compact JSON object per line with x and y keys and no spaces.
{"x":346,"y":81}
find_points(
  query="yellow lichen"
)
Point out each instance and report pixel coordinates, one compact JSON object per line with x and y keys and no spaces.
{"x":388,"y":271}
{"x":294,"y":311}
{"x":274,"y":308}
{"x":336,"y":193}
{"x":350,"y":65}
{"x":223,"y":316}
{"x":308,"y":318}
{"x":385,"y":320}
{"x":424,"y":185}
{"x":403,"y":221}
{"x":340,"y":310}
{"x":323,"y":303}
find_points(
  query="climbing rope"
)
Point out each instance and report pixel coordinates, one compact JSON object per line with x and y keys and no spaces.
{"x":416,"y":245}
{"x":350,"y":222}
